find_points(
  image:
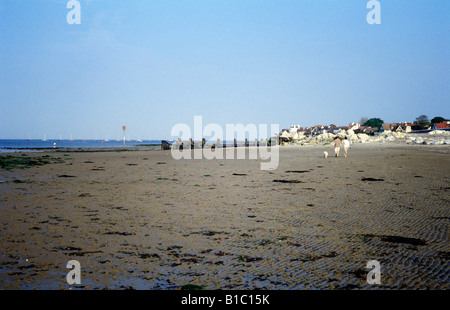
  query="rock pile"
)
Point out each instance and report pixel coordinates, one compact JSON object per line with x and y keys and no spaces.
{"x":437,"y":137}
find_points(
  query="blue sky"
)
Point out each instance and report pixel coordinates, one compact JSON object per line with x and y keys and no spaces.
{"x":152,"y":64}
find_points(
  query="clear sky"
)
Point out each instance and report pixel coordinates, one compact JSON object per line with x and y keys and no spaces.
{"x":151,"y":64}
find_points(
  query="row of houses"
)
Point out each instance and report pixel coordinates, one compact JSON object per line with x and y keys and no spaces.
{"x":398,"y":127}
{"x":332,"y":128}
{"x":408,"y":127}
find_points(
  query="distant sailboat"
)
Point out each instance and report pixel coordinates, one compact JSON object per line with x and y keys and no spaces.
{"x":45,"y":137}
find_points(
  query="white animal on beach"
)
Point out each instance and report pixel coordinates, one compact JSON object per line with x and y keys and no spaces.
{"x":325,"y":154}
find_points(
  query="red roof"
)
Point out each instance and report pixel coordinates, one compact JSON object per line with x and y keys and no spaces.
{"x":445,"y":124}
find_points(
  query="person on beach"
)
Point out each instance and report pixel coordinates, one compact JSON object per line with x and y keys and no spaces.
{"x":337,"y":146}
{"x":346,"y":145}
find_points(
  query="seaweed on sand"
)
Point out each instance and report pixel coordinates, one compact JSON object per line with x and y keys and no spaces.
{"x":10,"y":162}
{"x":287,"y":181}
{"x":191,"y":287}
{"x":248,"y":259}
{"x":395,"y":239}
{"x":372,"y":179}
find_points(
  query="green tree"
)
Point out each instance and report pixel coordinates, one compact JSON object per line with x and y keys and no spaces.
{"x":438,"y":119}
{"x":374,"y":122}
{"x":422,"y":121}
{"x":363,"y":120}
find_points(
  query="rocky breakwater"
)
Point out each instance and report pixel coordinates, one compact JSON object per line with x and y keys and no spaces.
{"x":437,"y":137}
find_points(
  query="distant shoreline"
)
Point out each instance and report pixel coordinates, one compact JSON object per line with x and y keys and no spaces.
{"x":374,"y":145}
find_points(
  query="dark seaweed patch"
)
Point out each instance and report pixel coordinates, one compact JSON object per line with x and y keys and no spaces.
{"x":441,"y":217}
{"x":21,"y":181}
{"x":83,"y":253}
{"x":26,"y":267}
{"x":147,"y":255}
{"x":210,"y":233}
{"x":248,"y":259}
{"x":395,"y":239}
{"x":372,"y":179}
{"x":66,"y":248}
{"x":166,"y":179}
{"x":191,"y":287}
{"x":444,"y":254}
{"x":120,"y":233}
{"x":192,"y":260}
{"x":287,"y":181}
{"x":359,"y":273}
{"x":407,"y":240}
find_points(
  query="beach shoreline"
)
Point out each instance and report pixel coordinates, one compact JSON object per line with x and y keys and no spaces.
{"x":144,"y":220}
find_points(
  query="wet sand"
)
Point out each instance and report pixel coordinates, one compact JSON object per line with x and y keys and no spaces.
{"x":142,"y":220}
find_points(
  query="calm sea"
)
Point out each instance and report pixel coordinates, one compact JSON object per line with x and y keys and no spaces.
{"x":10,"y":145}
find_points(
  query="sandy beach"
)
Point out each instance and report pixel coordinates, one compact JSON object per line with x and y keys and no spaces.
{"x":143,"y":220}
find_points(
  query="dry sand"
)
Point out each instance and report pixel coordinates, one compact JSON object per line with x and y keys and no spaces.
{"x":141,"y":219}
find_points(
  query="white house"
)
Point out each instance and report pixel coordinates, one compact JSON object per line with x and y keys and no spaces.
{"x":355,"y":126}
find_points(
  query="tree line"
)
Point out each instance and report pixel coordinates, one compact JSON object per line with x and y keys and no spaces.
{"x":422,"y":122}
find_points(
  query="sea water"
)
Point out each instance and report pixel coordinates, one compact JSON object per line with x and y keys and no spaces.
{"x":12,"y":145}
